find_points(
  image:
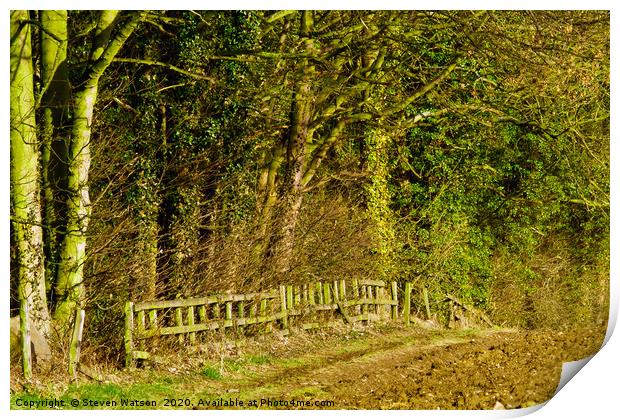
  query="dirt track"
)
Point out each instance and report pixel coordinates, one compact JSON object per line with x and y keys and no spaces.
{"x":518,"y":369}
{"x":387,"y":367}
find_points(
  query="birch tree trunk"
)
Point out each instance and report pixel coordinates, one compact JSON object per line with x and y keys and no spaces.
{"x":70,"y":276}
{"x":25,"y":200}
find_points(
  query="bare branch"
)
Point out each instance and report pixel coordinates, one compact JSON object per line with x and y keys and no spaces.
{"x":165,"y":65}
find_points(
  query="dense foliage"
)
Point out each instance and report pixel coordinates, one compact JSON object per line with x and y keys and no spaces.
{"x":467,"y":152}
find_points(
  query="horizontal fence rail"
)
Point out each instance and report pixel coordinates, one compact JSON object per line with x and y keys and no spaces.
{"x":306,"y":306}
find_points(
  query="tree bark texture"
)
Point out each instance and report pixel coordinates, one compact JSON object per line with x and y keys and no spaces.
{"x":25,"y":190}
{"x":301,"y":112}
{"x":56,"y":95}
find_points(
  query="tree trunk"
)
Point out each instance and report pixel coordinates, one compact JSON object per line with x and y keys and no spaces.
{"x":301,"y":112}
{"x":267,"y":199}
{"x":56,"y":93}
{"x":25,"y":204}
{"x":379,"y":200}
{"x":70,"y":285}
{"x":148,"y":274}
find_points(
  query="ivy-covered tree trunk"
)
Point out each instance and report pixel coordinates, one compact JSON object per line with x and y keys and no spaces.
{"x":70,"y":280}
{"x":25,"y":200}
{"x":377,"y":145}
{"x":147,"y":209}
{"x":148,"y":279}
{"x":184,"y":236}
{"x":56,"y":94}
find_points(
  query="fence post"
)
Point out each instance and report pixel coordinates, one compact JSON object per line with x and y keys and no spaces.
{"x":426,"y":304}
{"x":364,"y":306}
{"x":24,"y":328}
{"x":253,"y":315}
{"x":356,"y":296}
{"x":289,"y":296}
{"x":395,"y":299}
{"x":190,"y":322}
{"x":284,"y":308}
{"x":297,"y":293}
{"x":263,"y":314}
{"x":240,"y":315}
{"x":129,"y":362}
{"x":76,"y":341}
{"x":326,"y":294}
{"x":153,"y":318}
{"x":407,"y":305}
{"x":140,"y":327}
{"x":229,"y":315}
{"x":178,"y":315}
{"x":311,"y":293}
{"x":336,"y":290}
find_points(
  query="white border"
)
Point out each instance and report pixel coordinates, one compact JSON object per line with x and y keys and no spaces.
{"x":594,"y":393}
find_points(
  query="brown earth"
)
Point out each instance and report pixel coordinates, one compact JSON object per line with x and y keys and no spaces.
{"x":515,"y":368}
{"x":379,"y":367}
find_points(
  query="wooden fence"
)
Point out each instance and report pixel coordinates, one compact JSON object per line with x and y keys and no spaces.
{"x":461,"y":315}
{"x":305,"y":306}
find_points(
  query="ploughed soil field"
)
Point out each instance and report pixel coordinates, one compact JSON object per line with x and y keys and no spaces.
{"x":448,"y":370}
{"x":385,"y":367}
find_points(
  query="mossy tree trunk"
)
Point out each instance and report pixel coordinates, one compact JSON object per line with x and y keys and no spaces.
{"x":299,"y":137}
{"x":56,"y":95}
{"x":304,"y":149}
{"x":70,"y":280}
{"x":25,"y":178}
